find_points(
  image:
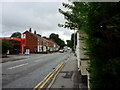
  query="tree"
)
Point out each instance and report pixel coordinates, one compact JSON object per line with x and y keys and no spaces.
{"x":72,"y":38}
{"x":16,"y":34}
{"x":56,"y":38}
{"x":101,"y":22}
{"x":6,"y":45}
{"x":70,"y":43}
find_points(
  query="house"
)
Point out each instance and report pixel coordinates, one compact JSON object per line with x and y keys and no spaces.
{"x":35,"y":43}
{"x":51,"y":46}
{"x":30,"y":41}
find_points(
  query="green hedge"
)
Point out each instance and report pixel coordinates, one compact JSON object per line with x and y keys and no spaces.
{"x":101,"y":22}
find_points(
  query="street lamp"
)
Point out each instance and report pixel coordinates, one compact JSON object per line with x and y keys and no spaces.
{"x":74,"y":44}
{"x":74,"y":41}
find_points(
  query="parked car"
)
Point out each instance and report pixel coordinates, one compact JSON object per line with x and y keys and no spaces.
{"x":61,"y":50}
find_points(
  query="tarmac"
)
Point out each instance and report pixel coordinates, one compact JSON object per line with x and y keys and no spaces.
{"x":67,"y":78}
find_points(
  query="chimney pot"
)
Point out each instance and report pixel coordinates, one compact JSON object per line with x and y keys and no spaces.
{"x":30,"y":30}
{"x":34,"y":32}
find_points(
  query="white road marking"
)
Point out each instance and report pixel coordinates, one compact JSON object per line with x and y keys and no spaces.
{"x":18,"y":66}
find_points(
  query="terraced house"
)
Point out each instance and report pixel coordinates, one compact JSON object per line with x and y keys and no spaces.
{"x":35,"y":43}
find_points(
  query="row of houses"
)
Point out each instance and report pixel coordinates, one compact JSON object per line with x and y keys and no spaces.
{"x":30,"y":42}
{"x":37,"y":44}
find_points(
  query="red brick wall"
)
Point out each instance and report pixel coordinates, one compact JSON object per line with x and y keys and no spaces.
{"x":31,"y":42}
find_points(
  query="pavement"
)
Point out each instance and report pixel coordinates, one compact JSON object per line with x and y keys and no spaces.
{"x":67,"y":76}
{"x":13,"y":58}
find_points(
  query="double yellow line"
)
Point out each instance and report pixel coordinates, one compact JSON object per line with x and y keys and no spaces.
{"x":48,"y":77}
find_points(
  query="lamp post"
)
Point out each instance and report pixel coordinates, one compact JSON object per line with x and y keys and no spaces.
{"x":74,"y":44}
{"x":74,"y":41}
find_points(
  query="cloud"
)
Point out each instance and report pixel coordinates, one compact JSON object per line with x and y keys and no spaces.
{"x":41,"y":16}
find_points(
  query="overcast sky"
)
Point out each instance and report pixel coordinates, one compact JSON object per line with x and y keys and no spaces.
{"x":40,"y":16}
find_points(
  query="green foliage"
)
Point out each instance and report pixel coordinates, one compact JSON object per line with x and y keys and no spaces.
{"x":69,"y":43}
{"x":56,"y":38}
{"x":6,"y":45}
{"x":101,"y":22}
{"x":16,"y":34}
{"x":72,"y":38}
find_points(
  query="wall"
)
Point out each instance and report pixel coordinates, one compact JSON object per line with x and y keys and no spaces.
{"x":83,"y":60}
{"x":31,"y":42}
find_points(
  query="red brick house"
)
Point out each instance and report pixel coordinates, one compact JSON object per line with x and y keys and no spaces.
{"x":31,"y":41}
{"x":37,"y":44}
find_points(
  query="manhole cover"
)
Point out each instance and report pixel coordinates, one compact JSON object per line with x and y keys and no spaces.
{"x":68,"y":74}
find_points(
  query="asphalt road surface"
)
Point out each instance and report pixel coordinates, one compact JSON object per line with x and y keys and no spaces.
{"x":27,"y":73}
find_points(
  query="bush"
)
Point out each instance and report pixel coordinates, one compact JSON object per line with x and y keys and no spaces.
{"x":6,"y":45}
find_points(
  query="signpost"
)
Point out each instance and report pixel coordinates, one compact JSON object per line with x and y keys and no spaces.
{"x":23,"y":39}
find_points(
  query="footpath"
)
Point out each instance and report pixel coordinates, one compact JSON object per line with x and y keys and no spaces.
{"x":12,"y":58}
{"x":67,"y":78}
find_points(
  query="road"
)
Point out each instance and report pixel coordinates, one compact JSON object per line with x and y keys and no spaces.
{"x":27,"y":73}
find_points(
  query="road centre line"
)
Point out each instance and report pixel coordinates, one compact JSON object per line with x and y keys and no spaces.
{"x":18,"y":66}
{"x":45,"y":78}
{"x":52,"y":75}
{"x":48,"y":77}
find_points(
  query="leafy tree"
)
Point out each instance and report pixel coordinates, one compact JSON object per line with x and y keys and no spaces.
{"x":104,"y":44}
{"x":101,"y":23}
{"x":6,"y":45}
{"x":72,"y":38}
{"x":70,"y":43}
{"x":16,"y":34}
{"x":56,"y":38}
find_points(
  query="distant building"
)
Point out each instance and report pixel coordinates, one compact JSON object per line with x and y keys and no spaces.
{"x":38,"y":44}
{"x":33,"y":43}
{"x":50,"y":45}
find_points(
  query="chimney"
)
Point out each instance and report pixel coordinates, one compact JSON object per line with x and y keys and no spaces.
{"x":30,"y":30}
{"x":34,"y":32}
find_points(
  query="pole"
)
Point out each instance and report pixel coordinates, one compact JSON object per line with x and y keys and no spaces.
{"x":22,"y":50}
{"x":74,"y":41}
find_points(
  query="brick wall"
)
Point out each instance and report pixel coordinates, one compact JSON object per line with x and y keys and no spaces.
{"x":31,"y":42}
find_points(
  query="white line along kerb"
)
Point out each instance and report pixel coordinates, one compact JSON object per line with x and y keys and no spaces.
{"x":18,"y":66}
